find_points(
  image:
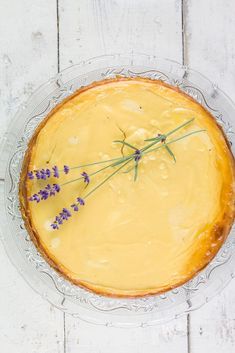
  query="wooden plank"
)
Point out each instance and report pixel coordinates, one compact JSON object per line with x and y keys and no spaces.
{"x":90,"y":28}
{"x":27,"y":322}
{"x":210,"y":48}
{"x":93,"y":27}
{"x":209,"y":40}
{"x":28,"y":52}
{"x":28,"y":57}
{"x":212,"y":328}
{"x":87,"y":338}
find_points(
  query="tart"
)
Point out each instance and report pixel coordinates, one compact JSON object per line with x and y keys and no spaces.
{"x":135,"y":235}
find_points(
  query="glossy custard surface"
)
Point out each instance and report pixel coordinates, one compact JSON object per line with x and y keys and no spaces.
{"x":132,"y":238}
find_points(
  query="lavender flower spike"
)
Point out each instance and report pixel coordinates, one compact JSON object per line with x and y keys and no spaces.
{"x":74,"y":206}
{"x":65,"y":213}
{"x":30,"y":175}
{"x":56,"y":171}
{"x":80,"y":201}
{"x":39,"y":174}
{"x":35,"y":197}
{"x":63,"y":216}
{"x":49,"y":190}
{"x":85,"y":177}
{"x":46,"y":173}
{"x":66,"y":169}
{"x":137,"y":155}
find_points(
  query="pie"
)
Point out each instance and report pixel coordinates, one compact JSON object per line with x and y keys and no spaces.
{"x":152,"y":225}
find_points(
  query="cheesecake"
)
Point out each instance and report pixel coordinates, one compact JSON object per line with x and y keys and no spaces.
{"x":127,"y":187}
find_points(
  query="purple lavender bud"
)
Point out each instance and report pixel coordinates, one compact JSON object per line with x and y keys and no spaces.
{"x":67,"y":212}
{"x":50,"y":190}
{"x":59,"y":220}
{"x":137,"y":155}
{"x":30,"y":175}
{"x":66,"y":169}
{"x":162,"y":137}
{"x":48,"y":173}
{"x":54,"y":225}
{"x":75,"y":207}
{"x":44,"y":194}
{"x":80,"y":201}
{"x":35,"y":197}
{"x":43,"y":174}
{"x":62,"y":216}
{"x":56,"y":187}
{"x":38,"y":174}
{"x":56,"y":171}
{"x":85,"y":177}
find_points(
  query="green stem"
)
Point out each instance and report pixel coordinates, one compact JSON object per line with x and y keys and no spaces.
{"x":179,"y":127}
{"x":172,"y":131}
{"x":126,"y":144}
{"x":172,"y":141}
{"x":119,"y":161}
{"x":95,"y":163}
{"x":136,"y":171}
{"x":106,"y":179}
{"x":154,"y":139}
{"x":131,"y":156}
{"x":123,"y":159}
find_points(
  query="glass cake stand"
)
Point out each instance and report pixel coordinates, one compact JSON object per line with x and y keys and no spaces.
{"x":22,"y":252}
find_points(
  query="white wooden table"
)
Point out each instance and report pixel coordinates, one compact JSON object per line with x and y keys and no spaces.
{"x":40,"y":37}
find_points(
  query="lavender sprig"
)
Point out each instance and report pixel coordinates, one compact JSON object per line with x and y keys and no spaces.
{"x":65,"y":214}
{"x":47,"y":173}
{"x":136,"y":156}
{"x":39,"y":174}
{"x":159,"y":138}
{"x":85,"y":177}
{"x":43,"y":194}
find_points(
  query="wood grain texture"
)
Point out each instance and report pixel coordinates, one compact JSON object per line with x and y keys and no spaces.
{"x":210,"y":48}
{"x":86,"y":338}
{"x":37,"y":38}
{"x":209,"y":40}
{"x":27,"y":322}
{"x":28,"y":57}
{"x":212,"y":328}
{"x":93,"y":27}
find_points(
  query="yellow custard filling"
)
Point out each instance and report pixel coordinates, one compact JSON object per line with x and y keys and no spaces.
{"x":138,"y":237}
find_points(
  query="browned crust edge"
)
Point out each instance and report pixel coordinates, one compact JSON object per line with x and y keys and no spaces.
{"x":221,"y":230}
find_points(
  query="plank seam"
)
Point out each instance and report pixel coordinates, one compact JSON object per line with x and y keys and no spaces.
{"x":188,"y":333}
{"x":182,"y":30}
{"x":58,"y":34}
{"x":64,"y":329}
